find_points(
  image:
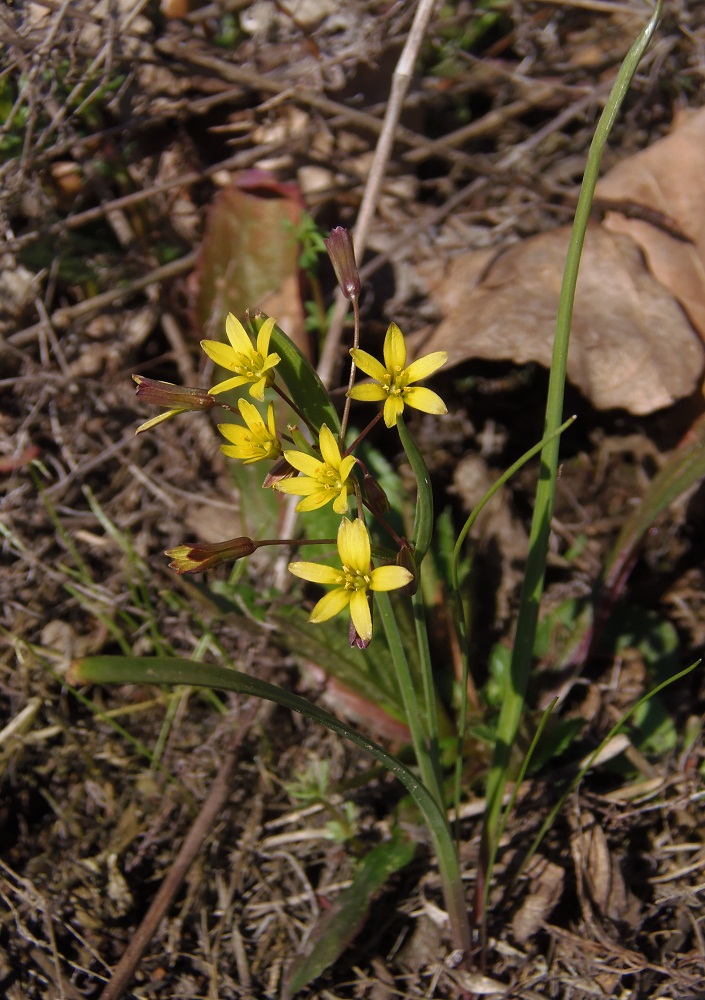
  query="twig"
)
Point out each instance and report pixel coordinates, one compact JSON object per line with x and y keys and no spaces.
{"x":400,"y":84}
{"x":191,"y":846}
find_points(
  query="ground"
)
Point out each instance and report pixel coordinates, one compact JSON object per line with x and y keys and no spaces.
{"x":120,"y":125}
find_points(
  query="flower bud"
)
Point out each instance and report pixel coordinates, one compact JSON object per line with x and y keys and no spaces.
{"x":376,"y":497}
{"x":355,"y":639}
{"x":173,"y":396}
{"x":280,"y":470}
{"x":203,"y":555}
{"x":405,"y":559}
{"x":342,"y":256}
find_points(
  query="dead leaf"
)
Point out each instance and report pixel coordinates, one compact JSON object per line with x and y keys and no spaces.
{"x":249,"y":254}
{"x":600,"y":870}
{"x":545,"y":893}
{"x":631,"y":346}
{"x":669,"y":178}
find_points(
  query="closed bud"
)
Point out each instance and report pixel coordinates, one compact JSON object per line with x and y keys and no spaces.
{"x":180,"y":397}
{"x":355,"y":639}
{"x":376,"y":497}
{"x":405,"y":559}
{"x":280,"y":470}
{"x":204,"y":555}
{"x":342,"y":256}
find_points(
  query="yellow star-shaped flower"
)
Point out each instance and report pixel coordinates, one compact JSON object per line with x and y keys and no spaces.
{"x":393,"y":379}
{"x":322,"y":481}
{"x":251,"y":364}
{"x":351,"y":583}
{"x":255,"y":441}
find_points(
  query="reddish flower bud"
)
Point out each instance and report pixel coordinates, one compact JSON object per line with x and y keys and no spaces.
{"x":405,"y":559}
{"x":280,"y":470}
{"x":179,"y":397}
{"x":342,"y":256}
{"x":203,"y":555}
{"x":376,"y":497}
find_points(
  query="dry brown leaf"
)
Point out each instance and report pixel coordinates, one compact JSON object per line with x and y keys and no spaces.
{"x":669,"y":178}
{"x":631,"y":346}
{"x":545,"y":893}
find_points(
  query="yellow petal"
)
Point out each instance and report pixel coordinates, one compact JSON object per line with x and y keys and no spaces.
{"x":251,"y":415}
{"x":423,"y":367}
{"x":393,"y":408}
{"x":340,"y":504}
{"x":394,"y":349}
{"x":158,"y":420}
{"x":367,"y":364}
{"x":237,"y":335}
{"x":221,"y":354}
{"x":390,"y":578}
{"x":263,"y":336}
{"x":370,"y":392}
{"x":354,"y":545}
{"x":425,"y":400}
{"x":360,"y":614}
{"x":229,"y":383}
{"x":330,"y":452}
{"x":330,"y":605}
{"x":257,"y":389}
{"x":301,"y":486}
{"x":234,"y":432}
{"x":314,"y":501}
{"x":303,"y":462}
{"x":316,"y":572}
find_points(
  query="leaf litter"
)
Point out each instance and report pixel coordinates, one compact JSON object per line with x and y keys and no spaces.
{"x":89,"y":824}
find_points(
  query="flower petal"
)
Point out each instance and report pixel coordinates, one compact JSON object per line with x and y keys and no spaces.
{"x":303,"y":462}
{"x":346,"y":467}
{"x":423,"y":367}
{"x":316,"y":572}
{"x":340,"y":504}
{"x":257,"y":389}
{"x":251,"y":415}
{"x":269,"y":361}
{"x":425,"y":400}
{"x":361,"y":615}
{"x":330,"y":605}
{"x":234,"y":432}
{"x":265,"y":332}
{"x":229,"y":383}
{"x":314,"y":501}
{"x":367,"y":364}
{"x":394,"y":349}
{"x":393,"y":408}
{"x":330,"y":452}
{"x":390,"y":577}
{"x":301,"y":486}
{"x":371,"y":392}
{"x":221,"y":354}
{"x":354,"y":545}
{"x":237,"y":335}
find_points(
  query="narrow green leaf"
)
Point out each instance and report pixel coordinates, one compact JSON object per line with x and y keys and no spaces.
{"x":164,"y":670}
{"x":301,"y":378}
{"x":340,"y":923}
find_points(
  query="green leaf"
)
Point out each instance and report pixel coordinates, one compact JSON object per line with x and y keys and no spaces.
{"x":301,"y":378}
{"x":340,"y":923}
{"x":165,"y":670}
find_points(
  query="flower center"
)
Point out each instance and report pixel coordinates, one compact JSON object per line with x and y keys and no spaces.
{"x":355,"y":581}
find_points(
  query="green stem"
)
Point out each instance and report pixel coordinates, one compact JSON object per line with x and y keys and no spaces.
{"x":522,"y":653}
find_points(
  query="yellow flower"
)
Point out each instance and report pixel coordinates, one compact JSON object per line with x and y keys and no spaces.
{"x":252,"y":365}
{"x":353,"y":581}
{"x":254,"y":442}
{"x":322,"y":481}
{"x":393,"y":379}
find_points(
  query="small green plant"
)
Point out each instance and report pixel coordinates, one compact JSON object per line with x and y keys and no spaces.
{"x":376,"y":573}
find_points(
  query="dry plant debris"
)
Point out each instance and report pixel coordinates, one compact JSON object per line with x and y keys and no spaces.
{"x":119,"y":128}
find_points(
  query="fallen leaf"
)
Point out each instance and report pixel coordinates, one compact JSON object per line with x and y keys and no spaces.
{"x":631,"y":346}
{"x":668,"y":178}
{"x":545,"y":893}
